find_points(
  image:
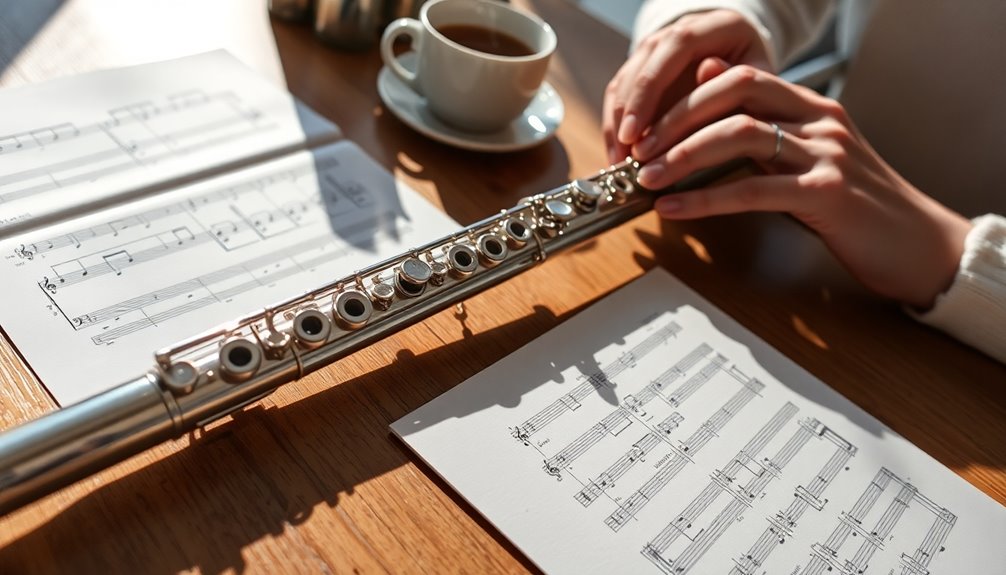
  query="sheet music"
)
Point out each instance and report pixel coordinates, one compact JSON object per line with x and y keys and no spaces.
{"x":85,"y":141}
{"x":88,"y":301}
{"x":653,"y":434}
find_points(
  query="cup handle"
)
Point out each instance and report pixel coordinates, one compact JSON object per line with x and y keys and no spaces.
{"x":414,"y":30}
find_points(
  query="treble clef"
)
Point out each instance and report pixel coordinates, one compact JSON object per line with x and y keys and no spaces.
{"x":47,"y":284}
{"x":24,"y":253}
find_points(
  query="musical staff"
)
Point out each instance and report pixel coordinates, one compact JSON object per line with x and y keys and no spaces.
{"x":571,"y":401}
{"x":852,"y":533}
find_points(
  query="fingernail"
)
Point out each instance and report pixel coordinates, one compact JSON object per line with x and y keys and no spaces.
{"x":650,"y":174}
{"x":668,"y":206}
{"x":645,"y":147}
{"x":629,"y":130}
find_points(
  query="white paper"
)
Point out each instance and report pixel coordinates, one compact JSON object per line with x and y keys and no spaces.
{"x":81,"y":142}
{"x":653,"y":434}
{"x":88,"y":301}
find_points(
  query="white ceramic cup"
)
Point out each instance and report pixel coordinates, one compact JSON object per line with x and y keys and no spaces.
{"x":471,"y":90}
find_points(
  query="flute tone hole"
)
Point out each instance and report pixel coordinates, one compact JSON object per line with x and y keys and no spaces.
{"x":312,"y":325}
{"x":240,"y":356}
{"x":239,"y":360}
{"x":355,"y":308}
{"x":493,"y":247}
{"x":463,"y":259}
{"x":517,"y":229}
{"x":311,"y":328}
{"x":621,"y":183}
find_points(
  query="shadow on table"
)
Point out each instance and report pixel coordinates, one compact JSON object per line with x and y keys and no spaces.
{"x":269,"y":468}
{"x":280,"y":462}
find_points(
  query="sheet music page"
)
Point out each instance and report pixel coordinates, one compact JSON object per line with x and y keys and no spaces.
{"x":87,"y":141}
{"x":88,"y":302}
{"x":651,"y":433}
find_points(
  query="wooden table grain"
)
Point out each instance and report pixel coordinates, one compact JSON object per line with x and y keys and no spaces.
{"x":310,"y":479}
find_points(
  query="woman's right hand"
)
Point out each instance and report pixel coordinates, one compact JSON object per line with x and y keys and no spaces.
{"x":640,"y":91}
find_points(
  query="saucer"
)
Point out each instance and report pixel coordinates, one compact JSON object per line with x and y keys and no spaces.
{"x":536,"y":124}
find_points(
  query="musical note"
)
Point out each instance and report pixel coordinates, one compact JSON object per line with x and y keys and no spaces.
{"x":183,"y":234}
{"x":10,"y":143}
{"x":123,"y":258}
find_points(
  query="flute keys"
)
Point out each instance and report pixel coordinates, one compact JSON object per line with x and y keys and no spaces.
{"x":239,"y":360}
{"x":619,"y":186}
{"x":438,"y":273}
{"x":554,"y":217}
{"x":517,"y":232}
{"x":492,"y":249}
{"x":311,"y":327}
{"x":180,"y":378}
{"x":353,"y":309}
{"x":383,"y":295}
{"x":276,"y":343}
{"x":559,"y":211}
{"x":462,"y":259}
{"x":413,"y":273}
{"x":586,"y":194}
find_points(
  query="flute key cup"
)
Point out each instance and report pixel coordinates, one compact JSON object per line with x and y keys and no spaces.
{"x":479,"y":63}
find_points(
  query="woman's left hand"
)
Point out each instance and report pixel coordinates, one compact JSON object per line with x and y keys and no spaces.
{"x":816,"y":166}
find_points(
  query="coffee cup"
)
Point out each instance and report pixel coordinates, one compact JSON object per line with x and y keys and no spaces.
{"x":479,"y":63}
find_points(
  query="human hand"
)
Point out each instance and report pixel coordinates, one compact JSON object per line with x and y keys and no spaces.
{"x":816,"y":166}
{"x":656,"y":71}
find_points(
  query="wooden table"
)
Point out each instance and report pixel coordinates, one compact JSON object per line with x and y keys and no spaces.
{"x":310,"y":480}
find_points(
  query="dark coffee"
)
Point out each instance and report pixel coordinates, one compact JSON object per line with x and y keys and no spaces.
{"x":486,"y":40}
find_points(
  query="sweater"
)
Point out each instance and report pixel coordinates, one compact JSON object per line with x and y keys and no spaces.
{"x":924,"y":85}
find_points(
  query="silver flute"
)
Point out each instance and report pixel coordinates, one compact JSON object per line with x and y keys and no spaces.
{"x":213,"y":374}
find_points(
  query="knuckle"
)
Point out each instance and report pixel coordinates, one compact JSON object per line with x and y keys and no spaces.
{"x":644,"y":80}
{"x":683,"y":156}
{"x":824,"y":181}
{"x":834,"y":110}
{"x":681,"y":35}
{"x":743,"y":76}
{"x":744,"y":126}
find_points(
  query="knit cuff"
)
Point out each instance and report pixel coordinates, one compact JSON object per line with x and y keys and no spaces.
{"x":655,"y":15}
{"x":973,"y":310}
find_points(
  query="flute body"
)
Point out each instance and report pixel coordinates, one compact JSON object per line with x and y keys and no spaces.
{"x":225,"y":369}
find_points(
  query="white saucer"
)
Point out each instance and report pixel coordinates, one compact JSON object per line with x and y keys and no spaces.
{"x":537,"y":124}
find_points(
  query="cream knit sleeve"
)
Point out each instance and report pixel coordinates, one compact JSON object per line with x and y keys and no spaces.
{"x":786,"y":26}
{"x":973,"y":310}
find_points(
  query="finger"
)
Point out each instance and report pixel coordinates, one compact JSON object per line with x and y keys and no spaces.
{"x":739,"y":88}
{"x":614,"y":103}
{"x":709,"y":69}
{"x":738,"y":136}
{"x":653,"y":78}
{"x":677,"y":47}
{"x":610,"y":116}
{"x":778,"y":193}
